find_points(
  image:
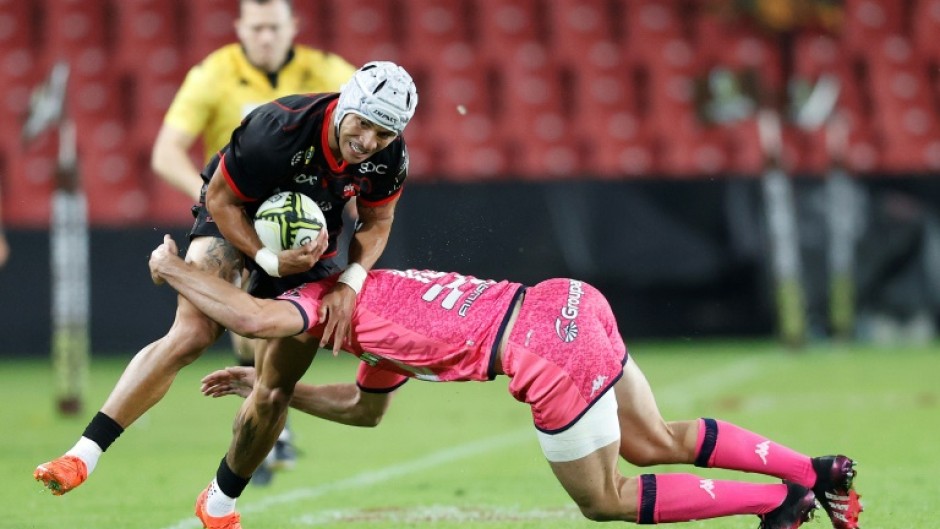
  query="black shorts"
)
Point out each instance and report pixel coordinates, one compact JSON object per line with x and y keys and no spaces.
{"x":260,"y":284}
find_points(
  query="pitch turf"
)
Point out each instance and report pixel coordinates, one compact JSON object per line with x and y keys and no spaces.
{"x":463,"y":455}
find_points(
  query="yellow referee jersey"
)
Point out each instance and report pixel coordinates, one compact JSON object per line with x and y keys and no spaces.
{"x":224,"y":87}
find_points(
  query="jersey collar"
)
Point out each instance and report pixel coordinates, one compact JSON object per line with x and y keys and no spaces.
{"x":335,"y":166}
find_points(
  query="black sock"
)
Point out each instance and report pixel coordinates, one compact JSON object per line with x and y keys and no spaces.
{"x":647,"y":507}
{"x":709,"y":441}
{"x":230,"y":483}
{"x":103,"y":430}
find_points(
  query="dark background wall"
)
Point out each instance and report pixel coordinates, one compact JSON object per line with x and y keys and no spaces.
{"x":676,"y":258}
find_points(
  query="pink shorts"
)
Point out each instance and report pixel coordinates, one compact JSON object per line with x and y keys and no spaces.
{"x":563,"y":353}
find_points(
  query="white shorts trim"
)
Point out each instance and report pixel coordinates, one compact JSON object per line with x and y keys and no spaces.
{"x":594,"y":430}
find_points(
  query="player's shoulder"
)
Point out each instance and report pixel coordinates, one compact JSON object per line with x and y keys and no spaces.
{"x":299,"y":107}
{"x":292,"y":116}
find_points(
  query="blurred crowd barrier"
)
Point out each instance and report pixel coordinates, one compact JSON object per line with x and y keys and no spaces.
{"x":529,"y":90}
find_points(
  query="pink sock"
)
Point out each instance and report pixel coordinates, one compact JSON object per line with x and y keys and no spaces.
{"x":724,"y":445}
{"x":665,"y":498}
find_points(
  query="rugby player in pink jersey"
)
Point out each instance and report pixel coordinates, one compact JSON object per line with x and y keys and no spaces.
{"x":557,"y":341}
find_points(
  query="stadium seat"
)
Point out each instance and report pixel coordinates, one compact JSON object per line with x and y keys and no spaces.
{"x":17,"y":27}
{"x":478,"y":153}
{"x":745,"y":155}
{"x":905,"y":109}
{"x":145,"y":26}
{"x":867,"y":21}
{"x":925,"y":22}
{"x":512,"y":32}
{"x":167,"y":205}
{"x":152,"y":96}
{"x":208,"y":25}
{"x":863,"y":149}
{"x":604,"y":114}
{"x":667,"y":87}
{"x":115,"y":193}
{"x":624,"y":150}
{"x":551,"y":151}
{"x":575,"y":27}
{"x":367,"y":30}
{"x":816,"y":53}
{"x":19,"y":75}
{"x":30,"y":182}
{"x":532,"y":105}
{"x":434,"y":26}
{"x":693,"y":150}
{"x":650,"y":25}
{"x":446,"y":90}
{"x":72,"y":26}
{"x":739,"y":47}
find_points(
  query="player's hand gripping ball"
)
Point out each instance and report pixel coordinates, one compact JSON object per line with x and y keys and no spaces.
{"x":288,"y":220}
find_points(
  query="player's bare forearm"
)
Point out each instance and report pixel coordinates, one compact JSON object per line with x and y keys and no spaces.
{"x":341,"y":403}
{"x":228,"y":305}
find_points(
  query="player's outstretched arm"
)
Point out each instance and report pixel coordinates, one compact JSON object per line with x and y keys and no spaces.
{"x":230,"y":306}
{"x":365,"y":249}
{"x":342,"y":403}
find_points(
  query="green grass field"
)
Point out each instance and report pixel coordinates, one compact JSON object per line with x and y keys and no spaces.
{"x":465,"y":455}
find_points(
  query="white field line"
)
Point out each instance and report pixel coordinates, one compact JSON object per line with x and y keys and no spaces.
{"x":677,"y":395}
{"x":436,"y":513}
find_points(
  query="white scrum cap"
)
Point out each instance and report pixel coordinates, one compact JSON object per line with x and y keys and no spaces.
{"x":380,"y":91}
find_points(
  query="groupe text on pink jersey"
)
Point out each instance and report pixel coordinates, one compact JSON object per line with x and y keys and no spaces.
{"x":422,"y":324}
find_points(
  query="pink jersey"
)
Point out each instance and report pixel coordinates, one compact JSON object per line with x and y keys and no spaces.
{"x":418,"y":323}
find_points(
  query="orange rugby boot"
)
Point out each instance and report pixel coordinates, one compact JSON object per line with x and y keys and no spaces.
{"x":229,"y":521}
{"x":62,"y":474}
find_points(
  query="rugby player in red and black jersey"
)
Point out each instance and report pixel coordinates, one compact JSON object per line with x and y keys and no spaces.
{"x":332,"y":147}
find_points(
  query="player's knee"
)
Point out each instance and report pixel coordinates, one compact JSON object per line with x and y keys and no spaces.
{"x":280,"y":398}
{"x":643,"y":456}
{"x":660,"y":449}
{"x":189,"y":337}
{"x":603,"y":510}
{"x":272,"y":400}
{"x":612,"y":501}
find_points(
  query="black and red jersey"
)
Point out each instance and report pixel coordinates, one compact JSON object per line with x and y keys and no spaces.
{"x":282,"y":146}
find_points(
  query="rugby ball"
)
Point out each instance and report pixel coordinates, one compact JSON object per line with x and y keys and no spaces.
{"x":288,"y":220}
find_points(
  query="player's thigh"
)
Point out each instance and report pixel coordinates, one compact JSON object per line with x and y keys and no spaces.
{"x":217,"y":256}
{"x":191,"y":328}
{"x":645,"y":437}
{"x":643,"y":431}
{"x":285,"y":360}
